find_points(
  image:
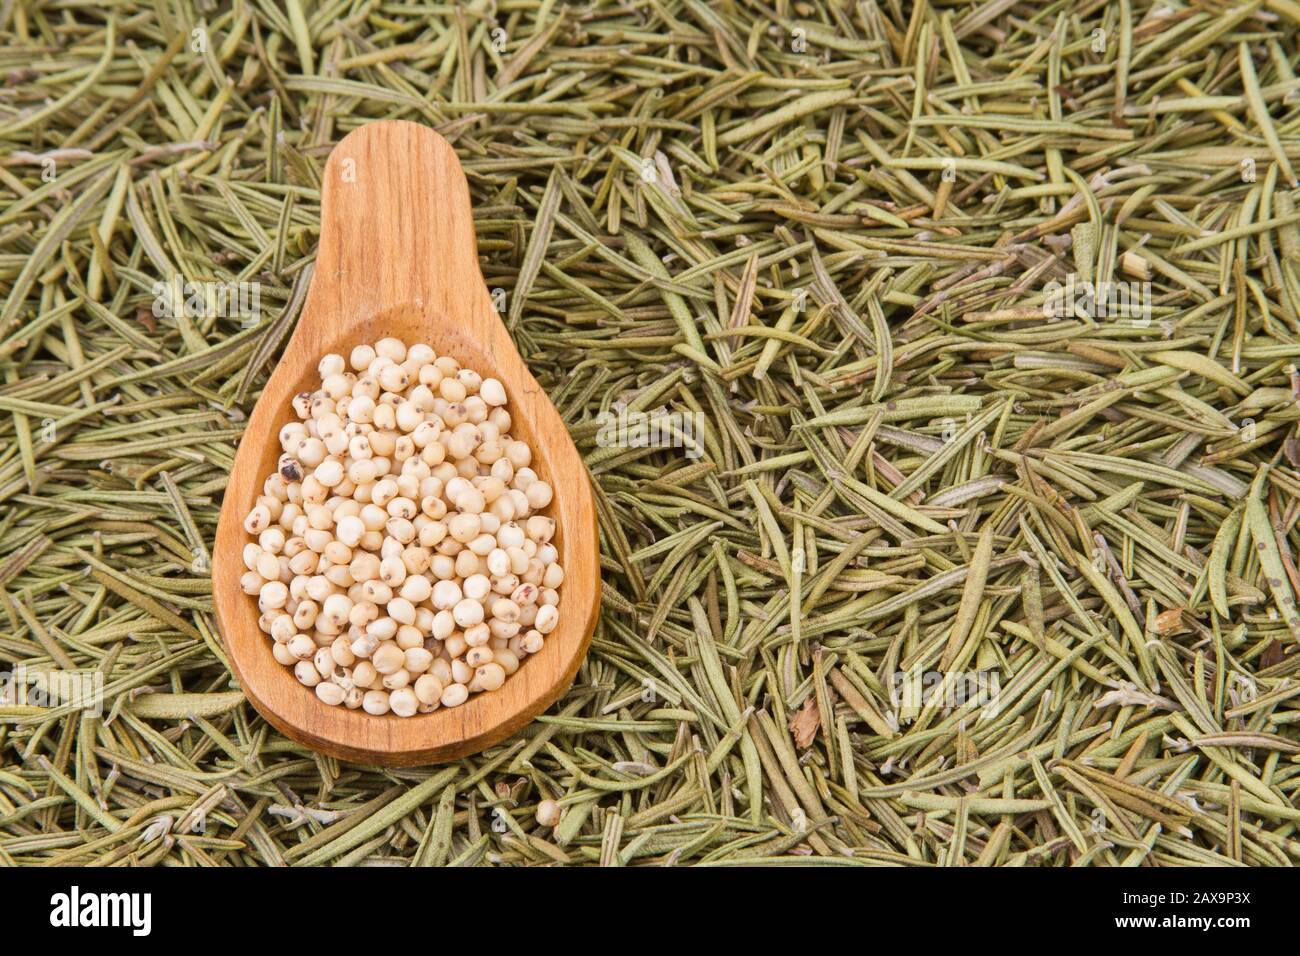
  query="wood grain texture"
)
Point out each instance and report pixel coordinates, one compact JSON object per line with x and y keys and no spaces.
{"x":398,"y":258}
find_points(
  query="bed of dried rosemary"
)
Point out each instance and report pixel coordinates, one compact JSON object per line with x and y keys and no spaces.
{"x":816,"y":242}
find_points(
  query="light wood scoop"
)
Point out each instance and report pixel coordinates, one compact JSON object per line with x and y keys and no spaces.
{"x":398,"y":258}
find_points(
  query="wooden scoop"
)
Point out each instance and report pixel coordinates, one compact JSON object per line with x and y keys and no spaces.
{"x":398,"y":258}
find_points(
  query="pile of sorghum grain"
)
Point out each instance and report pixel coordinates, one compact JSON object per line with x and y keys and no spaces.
{"x":402,"y":562}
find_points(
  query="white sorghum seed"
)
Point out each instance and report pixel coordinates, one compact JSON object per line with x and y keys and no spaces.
{"x":507,"y":659}
{"x":361,"y":357}
{"x":467,"y":563}
{"x":401,"y":558}
{"x":284,"y":630}
{"x":453,"y":695}
{"x":538,"y":494}
{"x":467,"y":612}
{"x":272,"y":596}
{"x":336,"y":609}
{"x":394,"y":379}
{"x":446,"y":594}
{"x":504,"y":609}
{"x":547,"y":617}
{"x":364,"y":674}
{"x":257,"y":519}
{"x":417,"y":589}
{"x":498,"y":562}
{"x":388,"y":658}
{"x":477,"y":586}
{"x":307,"y":675}
{"x":350,"y":529}
{"x":428,"y":688}
{"x":417,"y":660}
{"x":443,"y":625}
{"x":324,"y":663}
{"x":330,"y":693}
{"x":548,"y":813}
{"x":510,"y":536}
{"x":409,"y":636}
{"x":401,"y":610}
{"x":341,"y":651}
{"x":539,"y":529}
{"x":403,"y":702}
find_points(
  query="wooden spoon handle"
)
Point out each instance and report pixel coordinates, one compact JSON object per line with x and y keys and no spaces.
{"x":397,"y":230}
